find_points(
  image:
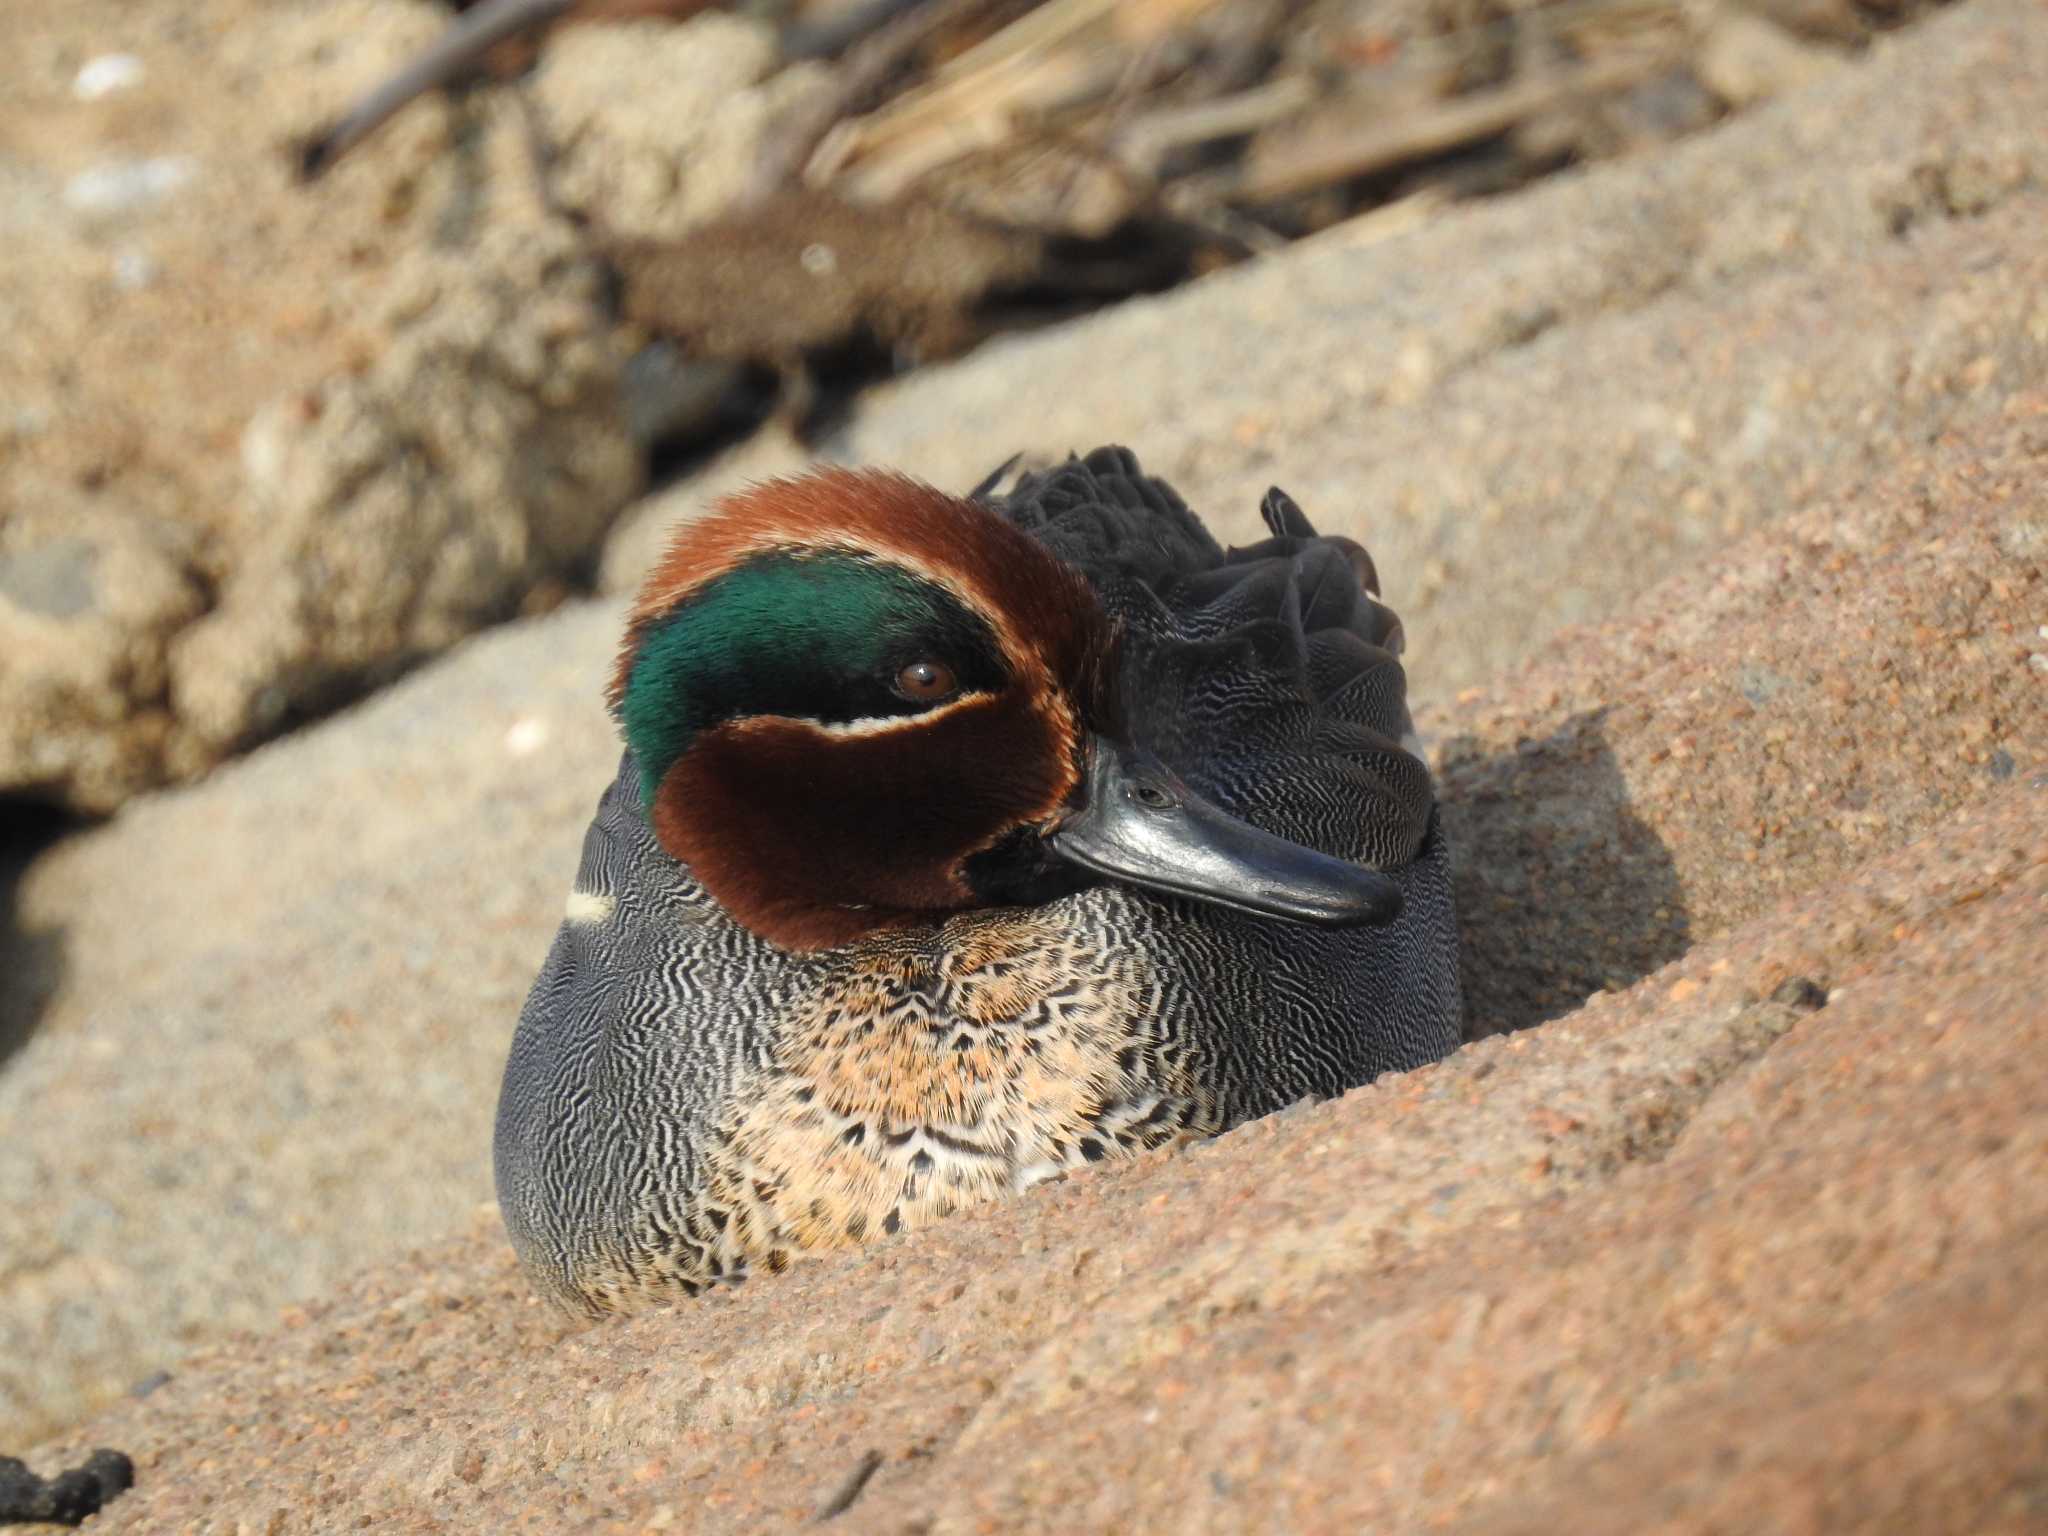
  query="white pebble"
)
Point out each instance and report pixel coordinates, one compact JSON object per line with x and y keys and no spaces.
{"x":527,"y":736}
{"x":107,"y":74}
{"x":126,"y":186}
{"x":134,"y":270}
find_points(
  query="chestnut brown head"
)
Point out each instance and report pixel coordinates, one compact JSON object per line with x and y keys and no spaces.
{"x":856,"y":702}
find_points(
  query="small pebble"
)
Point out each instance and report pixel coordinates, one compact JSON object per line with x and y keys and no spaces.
{"x":107,"y":75}
{"x":1802,"y":993}
{"x":116,"y":187}
{"x":134,"y":270}
{"x":526,"y":737}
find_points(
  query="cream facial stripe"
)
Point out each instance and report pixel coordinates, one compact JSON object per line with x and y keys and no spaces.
{"x":883,"y":725}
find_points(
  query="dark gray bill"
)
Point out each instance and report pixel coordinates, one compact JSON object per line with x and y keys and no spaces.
{"x":1142,"y":824}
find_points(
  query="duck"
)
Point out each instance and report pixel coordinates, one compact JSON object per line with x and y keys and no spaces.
{"x":959,"y":843}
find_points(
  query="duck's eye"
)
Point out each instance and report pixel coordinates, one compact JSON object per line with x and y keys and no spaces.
{"x":926,"y":681}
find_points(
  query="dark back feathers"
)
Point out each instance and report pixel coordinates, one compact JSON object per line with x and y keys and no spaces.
{"x":1268,"y":677}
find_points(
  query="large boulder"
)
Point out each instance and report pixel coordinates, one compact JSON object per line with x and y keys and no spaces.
{"x":393,"y":512}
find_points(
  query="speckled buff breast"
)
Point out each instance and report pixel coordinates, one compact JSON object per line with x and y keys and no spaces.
{"x":959,"y":842}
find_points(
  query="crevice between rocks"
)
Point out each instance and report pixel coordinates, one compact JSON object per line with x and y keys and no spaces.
{"x":1654,"y":1118}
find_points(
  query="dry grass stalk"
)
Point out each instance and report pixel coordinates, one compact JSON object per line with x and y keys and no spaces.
{"x":1055,"y":57}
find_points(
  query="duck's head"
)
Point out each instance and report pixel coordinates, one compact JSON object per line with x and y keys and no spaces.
{"x":858,"y":703}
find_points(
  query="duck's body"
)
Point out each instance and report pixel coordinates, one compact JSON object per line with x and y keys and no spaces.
{"x":737,"y":1050}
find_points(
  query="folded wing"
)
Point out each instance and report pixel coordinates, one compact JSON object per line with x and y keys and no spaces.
{"x":1268,"y":677}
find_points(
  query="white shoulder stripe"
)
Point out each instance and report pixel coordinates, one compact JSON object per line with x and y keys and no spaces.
{"x":587,"y":907}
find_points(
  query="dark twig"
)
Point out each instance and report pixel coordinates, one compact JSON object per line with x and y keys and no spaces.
{"x":452,"y":55}
{"x":849,"y":1490}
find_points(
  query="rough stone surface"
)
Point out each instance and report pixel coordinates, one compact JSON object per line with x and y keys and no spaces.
{"x":1695,"y":1258}
{"x":659,"y":127}
{"x":89,"y":598}
{"x":166,"y":284}
{"x":1826,"y":688}
{"x":1590,"y":856}
{"x":394,"y":512}
{"x":265,"y":1016}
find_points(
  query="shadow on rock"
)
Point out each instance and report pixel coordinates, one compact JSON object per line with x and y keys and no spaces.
{"x":31,"y":960}
{"x":1562,"y":889}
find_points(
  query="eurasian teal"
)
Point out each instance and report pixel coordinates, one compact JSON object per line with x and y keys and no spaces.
{"x":959,"y":842}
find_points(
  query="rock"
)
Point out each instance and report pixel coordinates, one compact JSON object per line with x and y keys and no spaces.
{"x":107,"y":74}
{"x":486,"y":448}
{"x":171,"y":297}
{"x":1841,"y":681}
{"x":113,"y":189}
{"x":1591,"y":855}
{"x":1745,"y":59}
{"x":399,"y":871}
{"x":658,"y":126}
{"x":66,"y":1498}
{"x":89,"y":596}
